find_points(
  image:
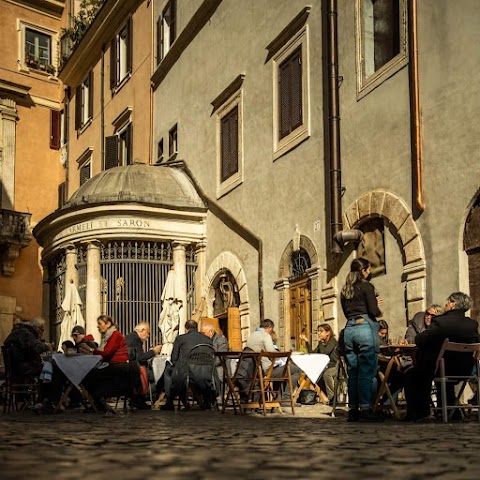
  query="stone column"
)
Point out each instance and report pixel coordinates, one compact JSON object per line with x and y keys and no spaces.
{"x":180,"y":267}
{"x":200,"y":272}
{"x":71,"y":263}
{"x":93,"y":307}
{"x":8,"y":117}
{"x":282,"y":286}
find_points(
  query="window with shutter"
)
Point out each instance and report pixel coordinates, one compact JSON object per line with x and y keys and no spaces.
{"x":62,"y":194}
{"x":90,"y":95}
{"x":290,"y":93}
{"x":121,"y":55}
{"x":111,"y":152}
{"x":167,"y":29}
{"x":382,"y":41}
{"x":78,"y":107}
{"x":55,"y":129}
{"x":84,"y":173}
{"x":291,"y":112}
{"x":229,"y":144}
{"x":173,"y":141}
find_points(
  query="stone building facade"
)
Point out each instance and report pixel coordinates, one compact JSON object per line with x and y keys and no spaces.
{"x":238,"y":99}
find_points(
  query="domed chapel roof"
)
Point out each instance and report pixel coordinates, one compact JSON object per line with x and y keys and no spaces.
{"x":146,"y":184}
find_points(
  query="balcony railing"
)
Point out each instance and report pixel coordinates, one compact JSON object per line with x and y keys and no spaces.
{"x":15,"y":234}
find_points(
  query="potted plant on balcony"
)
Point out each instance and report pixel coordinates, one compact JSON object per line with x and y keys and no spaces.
{"x":31,"y":62}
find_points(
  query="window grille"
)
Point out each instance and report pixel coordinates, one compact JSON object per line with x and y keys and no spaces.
{"x":57,"y":268}
{"x":299,"y":263}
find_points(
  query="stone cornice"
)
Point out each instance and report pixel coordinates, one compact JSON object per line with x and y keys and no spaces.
{"x":87,"y":53}
{"x":52,"y":7}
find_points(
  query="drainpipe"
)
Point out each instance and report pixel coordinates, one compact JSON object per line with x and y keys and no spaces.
{"x":102,"y":108}
{"x":416,"y":130}
{"x":231,"y":223}
{"x":339,"y":237}
{"x":334,"y":125}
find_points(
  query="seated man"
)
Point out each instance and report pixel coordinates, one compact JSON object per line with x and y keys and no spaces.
{"x":135,"y":342}
{"x":220,"y":344}
{"x":455,"y":326}
{"x":79,"y":337}
{"x":175,"y":373}
{"x":26,"y":342}
{"x":261,"y":339}
{"x":421,"y":321}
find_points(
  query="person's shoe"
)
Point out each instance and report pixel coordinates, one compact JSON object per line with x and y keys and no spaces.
{"x":353,"y":415}
{"x":44,"y":408}
{"x":427,"y":419}
{"x":169,"y":406}
{"x":140,"y":405}
{"x":369,"y":416}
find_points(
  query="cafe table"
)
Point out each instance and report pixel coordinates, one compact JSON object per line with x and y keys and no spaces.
{"x":312,"y":366}
{"x":391,"y":354}
{"x":75,"y":368}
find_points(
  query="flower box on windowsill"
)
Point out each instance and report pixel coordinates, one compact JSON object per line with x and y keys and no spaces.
{"x":42,"y":67}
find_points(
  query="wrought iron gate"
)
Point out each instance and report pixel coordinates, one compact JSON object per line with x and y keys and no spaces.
{"x":57,"y":268}
{"x":133,"y":277}
{"x":191,"y":268}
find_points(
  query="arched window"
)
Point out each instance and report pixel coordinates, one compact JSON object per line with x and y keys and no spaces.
{"x":299,"y":263}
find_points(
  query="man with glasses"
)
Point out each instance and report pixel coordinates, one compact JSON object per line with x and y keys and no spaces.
{"x":79,"y":337}
{"x":421,"y":321}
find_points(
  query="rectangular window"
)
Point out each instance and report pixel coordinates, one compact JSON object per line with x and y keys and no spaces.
{"x":62,"y":194}
{"x":55,"y":129}
{"x":84,"y":102}
{"x":38,"y":52}
{"x":85,"y":172}
{"x":291,"y":114}
{"x":172,"y":141}
{"x":121,"y":48}
{"x":160,"y":151}
{"x":119,"y":148}
{"x":381,"y":38}
{"x":290,"y":93}
{"x":166,"y":30}
{"x":229,"y":144}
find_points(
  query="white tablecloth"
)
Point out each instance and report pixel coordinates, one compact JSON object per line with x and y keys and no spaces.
{"x":313,"y":364}
{"x":76,"y":367}
{"x":158,"y":366}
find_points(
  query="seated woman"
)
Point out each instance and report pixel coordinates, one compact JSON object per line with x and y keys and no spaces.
{"x":114,"y":378}
{"x":327,"y":344}
{"x":383,"y":332}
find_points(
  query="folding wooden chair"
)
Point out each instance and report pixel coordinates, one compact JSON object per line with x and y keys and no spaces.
{"x":442,"y":378}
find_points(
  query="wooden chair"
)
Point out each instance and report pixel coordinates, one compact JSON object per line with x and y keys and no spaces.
{"x":19,"y":392}
{"x":340,"y":385}
{"x":442,"y":378}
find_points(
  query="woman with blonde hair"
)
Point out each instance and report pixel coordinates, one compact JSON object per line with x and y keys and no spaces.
{"x":360,"y":306}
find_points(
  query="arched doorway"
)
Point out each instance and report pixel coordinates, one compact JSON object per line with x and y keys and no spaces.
{"x":471,"y":244}
{"x":300,"y":309}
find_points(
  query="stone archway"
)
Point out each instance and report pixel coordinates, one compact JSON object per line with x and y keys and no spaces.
{"x":387,"y":204}
{"x":282,"y":285}
{"x":228,"y":261}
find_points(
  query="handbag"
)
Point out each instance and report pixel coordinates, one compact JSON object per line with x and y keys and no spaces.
{"x":307,"y":397}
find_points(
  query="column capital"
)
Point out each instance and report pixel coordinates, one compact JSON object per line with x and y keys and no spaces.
{"x":180,"y":245}
{"x":93,"y":244}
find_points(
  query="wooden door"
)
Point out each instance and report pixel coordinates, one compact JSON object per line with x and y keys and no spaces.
{"x":300,"y":314}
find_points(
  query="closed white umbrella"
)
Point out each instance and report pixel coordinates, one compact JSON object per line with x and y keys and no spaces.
{"x":72,"y":306}
{"x":170,"y":315}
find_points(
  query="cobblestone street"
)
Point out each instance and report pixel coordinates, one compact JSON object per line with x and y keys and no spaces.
{"x":209,"y":445}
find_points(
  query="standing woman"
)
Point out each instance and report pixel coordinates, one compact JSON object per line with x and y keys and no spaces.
{"x":360,"y":307}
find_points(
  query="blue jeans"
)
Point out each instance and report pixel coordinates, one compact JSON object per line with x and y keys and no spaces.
{"x":361,"y":350}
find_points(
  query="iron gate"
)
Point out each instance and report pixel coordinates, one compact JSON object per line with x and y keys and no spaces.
{"x":133,"y":277}
{"x":82,"y":276}
{"x":191,"y":259}
{"x":56,"y":278}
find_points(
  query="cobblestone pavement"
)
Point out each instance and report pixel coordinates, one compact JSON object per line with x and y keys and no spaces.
{"x":208,"y":445}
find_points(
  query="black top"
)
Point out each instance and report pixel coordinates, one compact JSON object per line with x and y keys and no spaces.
{"x":135,"y":349}
{"x":329,"y":348}
{"x":184,"y":343}
{"x":364,"y":301}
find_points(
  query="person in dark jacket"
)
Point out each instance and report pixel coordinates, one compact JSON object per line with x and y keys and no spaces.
{"x":26,"y":341}
{"x":421,"y":321}
{"x":135,"y":341}
{"x":455,"y":326}
{"x":327,"y":345}
{"x":362,"y":343}
{"x":175,"y":373}
{"x":79,"y":337}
